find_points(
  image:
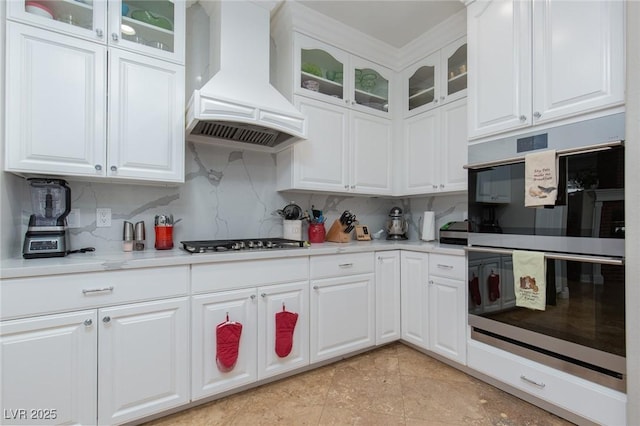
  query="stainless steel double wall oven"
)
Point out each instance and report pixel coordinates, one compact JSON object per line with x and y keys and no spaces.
{"x":582,"y":329}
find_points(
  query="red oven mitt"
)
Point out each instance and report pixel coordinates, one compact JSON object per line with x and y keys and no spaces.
{"x":227,"y":344}
{"x":494,"y":286}
{"x":474,"y":290}
{"x":285,"y":326}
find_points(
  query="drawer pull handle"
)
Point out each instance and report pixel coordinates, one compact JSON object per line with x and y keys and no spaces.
{"x":345,"y":265}
{"x":96,"y":290}
{"x":441,"y":266}
{"x":533,"y":382}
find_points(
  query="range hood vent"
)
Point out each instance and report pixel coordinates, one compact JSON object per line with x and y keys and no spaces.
{"x":238,"y":132}
{"x":237,"y":107}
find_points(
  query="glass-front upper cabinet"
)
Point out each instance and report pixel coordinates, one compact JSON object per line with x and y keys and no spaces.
{"x":454,"y":60}
{"x":332,"y":75}
{"x":438,"y":79}
{"x":153,"y":27}
{"x":370,"y":86}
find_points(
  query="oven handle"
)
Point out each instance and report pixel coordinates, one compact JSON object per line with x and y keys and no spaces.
{"x":556,"y":256}
{"x":560,"y":152}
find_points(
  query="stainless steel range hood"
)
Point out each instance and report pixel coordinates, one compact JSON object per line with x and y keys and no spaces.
{"x":238,"y":107}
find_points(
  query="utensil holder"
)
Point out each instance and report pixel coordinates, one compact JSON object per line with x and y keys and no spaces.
{"x":316,"y":233}
{"x":292,"y":229}
{"x":336,"y":233}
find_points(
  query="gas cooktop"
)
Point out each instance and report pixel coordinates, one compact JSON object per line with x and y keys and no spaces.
{"x":210,"y":246}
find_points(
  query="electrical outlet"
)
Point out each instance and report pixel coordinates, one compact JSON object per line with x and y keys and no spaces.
{"x":103,"y":218}
{"x":73,"y":219}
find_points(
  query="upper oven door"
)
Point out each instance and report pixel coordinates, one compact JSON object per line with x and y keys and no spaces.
{"x":589,"y":209}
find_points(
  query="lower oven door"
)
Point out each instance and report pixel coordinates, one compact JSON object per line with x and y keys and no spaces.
{"x":582,"y":328}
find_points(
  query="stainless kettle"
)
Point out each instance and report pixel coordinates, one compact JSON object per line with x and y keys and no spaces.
{"x":396,"y":226}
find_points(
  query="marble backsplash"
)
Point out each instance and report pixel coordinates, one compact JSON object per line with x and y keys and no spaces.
{"x":226,"y":194}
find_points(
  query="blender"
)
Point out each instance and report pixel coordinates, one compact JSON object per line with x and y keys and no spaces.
{"x":47,"y":232}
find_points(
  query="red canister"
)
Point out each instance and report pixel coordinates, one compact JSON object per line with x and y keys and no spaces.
{"x":317,"y":233}
{"x":164,"y":232}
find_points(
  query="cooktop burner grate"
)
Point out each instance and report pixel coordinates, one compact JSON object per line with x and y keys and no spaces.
{"x":213,"y":246}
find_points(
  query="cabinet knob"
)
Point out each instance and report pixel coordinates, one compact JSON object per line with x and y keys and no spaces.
{"x":106,"y":319}
{"x":99,"y":32}
{"x":88,"y":322}
{"x":353,"y":187}
{"x":315,"y":287}
{"x":442,"y":185}
{"x":98,"y":167}
{"x":346,"y":101}
{"x":435,"y":186}
{"x":430,"y":282}
{"x":353,"y":102}
{"x":537,"y":115}
{"x":263,"y":295}
{"x":442,"y":98}
{"x":114,"y":168}
{"x":115,"y":36}
{"x":435,"y":101}
{"x":253,"y":296}
{"x":523,"y":118}
{"x":346,"y":187}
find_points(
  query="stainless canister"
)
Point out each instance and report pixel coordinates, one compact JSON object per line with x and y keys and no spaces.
{"x":139,"y":236}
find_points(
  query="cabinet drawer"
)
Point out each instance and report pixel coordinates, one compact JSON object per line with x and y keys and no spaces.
{"x":39,"y":295}
{"x":589,"y":400}
{"x":252,"y":273}
{"x":447,"y":266}
{"x":336,"y":265}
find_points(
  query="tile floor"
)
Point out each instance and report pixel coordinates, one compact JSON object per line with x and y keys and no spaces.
{"x":392,"y":385}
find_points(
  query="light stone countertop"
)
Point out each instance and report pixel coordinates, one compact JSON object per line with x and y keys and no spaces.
{"x":150,"y":258}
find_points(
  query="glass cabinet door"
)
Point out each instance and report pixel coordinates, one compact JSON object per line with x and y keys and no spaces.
{"x":422,"y":86}
{"x":371,"y":89}
{"x":151,"y":24}
{"x":455,"y":61}
{"x":321,"y":72}
{"x":82,"y":18}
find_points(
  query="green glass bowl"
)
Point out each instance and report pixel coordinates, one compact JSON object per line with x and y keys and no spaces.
{"x":152,"y":19}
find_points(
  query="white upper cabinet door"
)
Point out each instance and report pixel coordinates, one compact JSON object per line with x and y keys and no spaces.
{"x":146,"y":126}
{"x":322,"y":161}
{"x":421,"y":139}
{"x":49,"y":365}
{"x":453,"y":144}
{"x":371,"y":142}
{"x":371,"y":89}
{"x":56,"y":103}
{"x":143,"y":363}
{"x":499,"y":55}
{"x":578,"y":57}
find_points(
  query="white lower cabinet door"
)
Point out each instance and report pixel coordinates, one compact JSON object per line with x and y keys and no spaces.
{"x":208,"y":311}
{"x":447,"y":318}
{"x":387,"y":297}
{"x":48,"y":366}
{"x":291,"y":298}
{"x":414,"y":292}
{"x":342,"y":315}
{"x":143,"y":359}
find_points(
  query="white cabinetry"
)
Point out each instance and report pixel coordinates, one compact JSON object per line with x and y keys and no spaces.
{"x":105,"y":365}
{"x":435,"y":150}
{"x":342,"y":305}
{"x":387,"y":296}
{"x":433,"y":303}
{"x":233,"y":289}
{"x":533,"y":62}
{"x":349,"y":145}
{"x":67,"y":115}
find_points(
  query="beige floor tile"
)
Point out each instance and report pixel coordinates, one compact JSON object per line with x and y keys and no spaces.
{"x":391,"y":385}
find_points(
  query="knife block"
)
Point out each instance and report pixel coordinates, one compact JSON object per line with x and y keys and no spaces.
{"x":336,"y":233}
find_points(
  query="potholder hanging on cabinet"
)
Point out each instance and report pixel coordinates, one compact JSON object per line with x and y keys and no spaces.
{"x":494,"y":286}
{"x":285,"y":326}
{"x":227,"y":344}
{"x":474,"y":290}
